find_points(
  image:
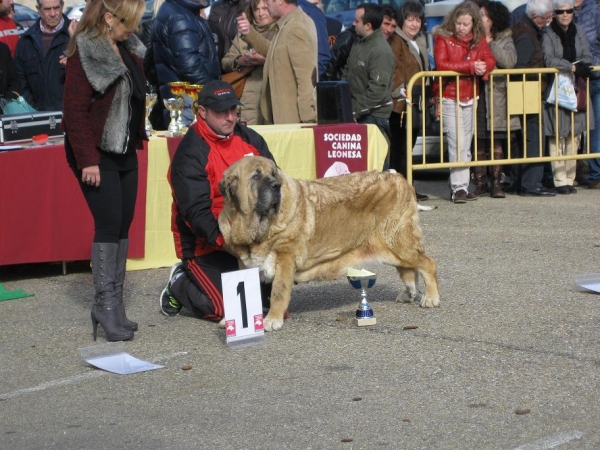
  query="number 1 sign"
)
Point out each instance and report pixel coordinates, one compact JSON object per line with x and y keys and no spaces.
{"x":243,"y":308}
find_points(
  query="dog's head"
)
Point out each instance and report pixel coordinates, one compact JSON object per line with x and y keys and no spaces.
{"x":251,"y":189}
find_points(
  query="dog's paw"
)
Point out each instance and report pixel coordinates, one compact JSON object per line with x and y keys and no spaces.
{"x":273,"y":324}
{"x":406,"y":297}
{"x":428,"y":302}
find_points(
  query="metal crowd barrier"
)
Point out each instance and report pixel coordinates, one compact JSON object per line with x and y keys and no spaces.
{"x":524,"y":97}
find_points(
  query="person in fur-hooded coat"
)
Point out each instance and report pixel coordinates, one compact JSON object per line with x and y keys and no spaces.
{"x":103,"y":117}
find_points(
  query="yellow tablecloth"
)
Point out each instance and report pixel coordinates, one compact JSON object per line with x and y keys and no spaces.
{"x":293,"y":147}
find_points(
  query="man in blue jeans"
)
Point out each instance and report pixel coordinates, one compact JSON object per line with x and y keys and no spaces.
{"x":587,"y":15}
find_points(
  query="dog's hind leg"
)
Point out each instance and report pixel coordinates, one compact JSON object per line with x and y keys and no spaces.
{"x":427,"y":268}
{"x":410,"y":278}
{"x":409,"y":269}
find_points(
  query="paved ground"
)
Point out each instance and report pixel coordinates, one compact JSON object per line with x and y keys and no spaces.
{"x":512,"y":335}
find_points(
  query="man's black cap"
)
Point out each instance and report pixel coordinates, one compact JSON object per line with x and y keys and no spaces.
{"x":218,"y":95}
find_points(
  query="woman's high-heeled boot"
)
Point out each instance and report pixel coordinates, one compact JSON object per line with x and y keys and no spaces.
{"x":119,"y":280}
{"x":104,"y":311}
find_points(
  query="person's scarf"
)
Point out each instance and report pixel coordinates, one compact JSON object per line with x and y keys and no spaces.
{"x":567,"y":39}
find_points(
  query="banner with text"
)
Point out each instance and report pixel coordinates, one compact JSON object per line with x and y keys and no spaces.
{"x":340,"y":149}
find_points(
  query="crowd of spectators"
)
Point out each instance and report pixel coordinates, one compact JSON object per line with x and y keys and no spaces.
{"x":285,"y":47}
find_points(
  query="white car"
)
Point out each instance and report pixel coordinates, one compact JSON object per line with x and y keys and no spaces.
{"x":75,"y":11}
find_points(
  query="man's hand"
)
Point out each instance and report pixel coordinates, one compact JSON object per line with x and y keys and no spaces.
{"x":243,"y":24}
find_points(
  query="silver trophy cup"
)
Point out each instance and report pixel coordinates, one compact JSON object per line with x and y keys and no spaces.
{"x":175,"y":106}
{"x":364,"y":312}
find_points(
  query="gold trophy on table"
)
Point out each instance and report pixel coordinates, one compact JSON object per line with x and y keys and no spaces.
{"x":192,"y":91}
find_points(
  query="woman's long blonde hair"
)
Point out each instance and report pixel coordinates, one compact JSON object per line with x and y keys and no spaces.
{"x":463,"y":9}
{"x":92,"y":21}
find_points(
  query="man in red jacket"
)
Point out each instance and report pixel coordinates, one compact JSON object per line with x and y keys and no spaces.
{"x":8,"y":28}
{"x":209,"y":147}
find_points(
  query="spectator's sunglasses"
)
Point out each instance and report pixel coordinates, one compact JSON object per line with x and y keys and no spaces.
{"x":558,"y":12}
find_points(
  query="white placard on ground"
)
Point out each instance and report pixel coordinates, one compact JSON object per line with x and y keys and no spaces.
{"x":243,"y":308}
{"x":112,"y":357}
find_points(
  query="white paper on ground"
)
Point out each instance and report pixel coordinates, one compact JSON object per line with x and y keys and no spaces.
{"x":590,"y":281}
{"x":113,"y":358}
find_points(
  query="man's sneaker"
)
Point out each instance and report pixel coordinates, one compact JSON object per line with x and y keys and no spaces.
{"x":169,"y":304}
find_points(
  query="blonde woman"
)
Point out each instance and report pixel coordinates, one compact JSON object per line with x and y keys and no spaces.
{"x":103,"y":117}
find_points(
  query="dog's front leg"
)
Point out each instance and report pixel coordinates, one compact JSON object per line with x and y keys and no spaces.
{"x":281,"y":291}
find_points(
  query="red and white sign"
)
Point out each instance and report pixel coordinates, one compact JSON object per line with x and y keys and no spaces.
{"x":340,"y":149}
{"x":243,"y":308}
{"x":259,"y":324}
{"x":230,"y":327}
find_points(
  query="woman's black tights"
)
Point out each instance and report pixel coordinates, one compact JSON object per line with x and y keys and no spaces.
{"x":112,"y":204}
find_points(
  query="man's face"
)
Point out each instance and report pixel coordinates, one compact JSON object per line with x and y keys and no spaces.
{"x":221,"y":122}
{"x":274,"y":9}
{"x":50,"y":12}
{"x":6,"y":7}
{"x":542,"y":21}
{"x":362,"y":29}
{"x":388,"y":26}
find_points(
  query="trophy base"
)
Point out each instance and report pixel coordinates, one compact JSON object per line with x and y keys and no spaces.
{"x":363,"y":322}
{"x":173,"y":133}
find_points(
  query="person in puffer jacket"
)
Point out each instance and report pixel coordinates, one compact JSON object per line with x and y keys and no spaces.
{"x":184,"y":49}
{"x":587,"y":15}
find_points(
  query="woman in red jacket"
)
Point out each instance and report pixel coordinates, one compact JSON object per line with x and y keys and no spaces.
{"x":460,"y":46}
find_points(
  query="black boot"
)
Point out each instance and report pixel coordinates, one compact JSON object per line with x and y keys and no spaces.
{"x":104,"y":262}
{"x":119,"y":280}
{"x":497,"y":191}
{"x":480,"y":172}
{"x":479,"y":176}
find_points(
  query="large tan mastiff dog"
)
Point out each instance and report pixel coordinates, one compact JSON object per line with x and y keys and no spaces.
{"x":295,"y":230}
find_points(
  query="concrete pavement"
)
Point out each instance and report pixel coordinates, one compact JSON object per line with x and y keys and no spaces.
{"x":513,"y":335}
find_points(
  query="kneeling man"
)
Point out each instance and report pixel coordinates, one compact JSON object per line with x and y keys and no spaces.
{"x":209,"y":147}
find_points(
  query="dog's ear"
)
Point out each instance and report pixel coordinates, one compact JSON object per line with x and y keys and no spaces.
{"x":228,"y":188}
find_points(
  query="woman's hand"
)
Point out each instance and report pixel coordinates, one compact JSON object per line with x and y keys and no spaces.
{"x":251,"y":58}
{"x":480,"y":68}
{"x":91,"y":176}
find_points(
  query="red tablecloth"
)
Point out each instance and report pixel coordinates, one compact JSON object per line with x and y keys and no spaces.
{"x":43,"y":214}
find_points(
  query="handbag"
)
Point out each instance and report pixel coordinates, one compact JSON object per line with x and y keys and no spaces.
{"x":18,"y":106}
{"x":581,"y":91}
{"x":562,"y":91}
{"x":237,"y":79}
